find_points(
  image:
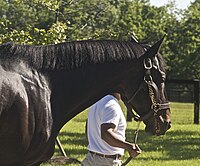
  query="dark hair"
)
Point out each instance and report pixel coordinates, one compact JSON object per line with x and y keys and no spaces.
{"x":70,"y":55}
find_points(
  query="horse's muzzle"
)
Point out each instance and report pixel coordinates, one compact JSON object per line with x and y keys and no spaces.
{"x":158,"y":129}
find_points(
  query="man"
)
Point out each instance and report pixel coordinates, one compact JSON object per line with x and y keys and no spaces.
{"x":106,"y":127}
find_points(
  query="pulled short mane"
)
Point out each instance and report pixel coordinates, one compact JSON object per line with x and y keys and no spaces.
{"x":71,"y":55}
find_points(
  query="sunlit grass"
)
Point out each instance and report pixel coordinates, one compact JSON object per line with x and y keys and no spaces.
{"x":182,"y":113}
{"x":179,"y":147}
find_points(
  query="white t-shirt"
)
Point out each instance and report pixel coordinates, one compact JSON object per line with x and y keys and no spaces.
{"x":106,"y":110}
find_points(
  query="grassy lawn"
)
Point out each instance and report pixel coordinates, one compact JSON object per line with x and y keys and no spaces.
{"x":179,"y":147}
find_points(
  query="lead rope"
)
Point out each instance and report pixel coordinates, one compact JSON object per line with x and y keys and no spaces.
{"x":148,"y":81}
{"x":153,"y":100}
{"x":135,"y":142}
{"x":136,"y":132}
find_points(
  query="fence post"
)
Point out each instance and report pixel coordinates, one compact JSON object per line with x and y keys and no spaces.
{"x":196,"y":101}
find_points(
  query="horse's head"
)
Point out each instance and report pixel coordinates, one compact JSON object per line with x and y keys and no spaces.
{"x":148,"y":96}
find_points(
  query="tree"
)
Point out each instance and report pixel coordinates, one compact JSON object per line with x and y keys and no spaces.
{"x":185,"y":60}
{"x":55,"y":21}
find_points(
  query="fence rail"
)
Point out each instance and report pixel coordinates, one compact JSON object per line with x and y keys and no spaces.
{"x":194,"y":93}
{"x":183,"y":91}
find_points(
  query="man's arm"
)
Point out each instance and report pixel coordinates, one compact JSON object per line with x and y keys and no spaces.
{"x":111,"y":138}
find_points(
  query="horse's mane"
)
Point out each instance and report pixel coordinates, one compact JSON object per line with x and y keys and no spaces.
{"x":71,"y":55}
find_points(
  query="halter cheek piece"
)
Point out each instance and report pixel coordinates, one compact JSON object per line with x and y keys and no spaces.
{"x":154,"y":95}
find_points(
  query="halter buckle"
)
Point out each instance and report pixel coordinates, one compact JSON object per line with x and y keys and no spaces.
{"x":149,"y":79}
{"x":155,"y":108}
{"x":147,"y":63}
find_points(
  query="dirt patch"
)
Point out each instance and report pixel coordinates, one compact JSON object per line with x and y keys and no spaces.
{"x":61,"y":160}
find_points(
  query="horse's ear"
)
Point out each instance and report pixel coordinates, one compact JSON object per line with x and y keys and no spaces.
{"x":133,"y":39}
{"x":153,"y":50}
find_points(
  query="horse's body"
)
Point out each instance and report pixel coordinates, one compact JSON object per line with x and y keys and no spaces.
{"x":43,"y":87}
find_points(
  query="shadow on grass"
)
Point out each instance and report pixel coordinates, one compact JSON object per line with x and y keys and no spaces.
{"x":75,"y":140}
{"x":176,"y":145}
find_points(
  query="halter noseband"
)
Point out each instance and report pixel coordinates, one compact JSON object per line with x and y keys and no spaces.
{"x":153,"y":93}
{"x":154,"y":97}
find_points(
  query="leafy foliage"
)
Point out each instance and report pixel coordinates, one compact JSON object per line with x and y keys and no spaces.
{"x":55,"y":21}
{"x":186,"y":58}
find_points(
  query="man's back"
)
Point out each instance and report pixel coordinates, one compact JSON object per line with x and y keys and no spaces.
{"x":106,"y":110}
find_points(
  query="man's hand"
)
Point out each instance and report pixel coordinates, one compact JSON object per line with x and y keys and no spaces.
{"x":110,"y":137}
{"x":134,"y":150}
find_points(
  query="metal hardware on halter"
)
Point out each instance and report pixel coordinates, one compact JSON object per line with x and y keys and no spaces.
{"x":154,"y":97}
{"x":145,"y":64}
{"x":152,"y":89}
{"x":146,"y":80}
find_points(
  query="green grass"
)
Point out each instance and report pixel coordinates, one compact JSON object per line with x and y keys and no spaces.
{"x":182,"y":113}
{"x":179,"y":147}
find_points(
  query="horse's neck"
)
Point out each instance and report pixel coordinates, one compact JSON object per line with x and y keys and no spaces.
{"x":81,"y":88}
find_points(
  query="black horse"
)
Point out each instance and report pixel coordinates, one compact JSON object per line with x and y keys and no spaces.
{"x":43,"y":87}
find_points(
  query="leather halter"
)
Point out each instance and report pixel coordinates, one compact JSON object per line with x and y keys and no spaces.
{"x":156,"y":106}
